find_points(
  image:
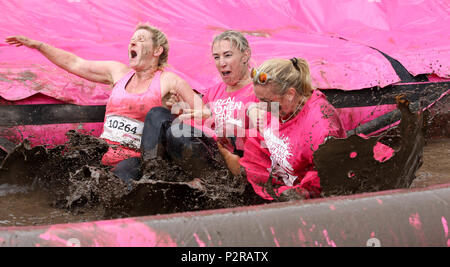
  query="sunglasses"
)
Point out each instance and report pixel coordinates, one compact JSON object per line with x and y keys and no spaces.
{"x":259,"y":76}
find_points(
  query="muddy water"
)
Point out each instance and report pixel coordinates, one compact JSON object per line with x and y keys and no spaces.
{"x":23,"y":205}
{"x":67,"y":183}
{"x":436,"y":164}
{"x":29,"y":205}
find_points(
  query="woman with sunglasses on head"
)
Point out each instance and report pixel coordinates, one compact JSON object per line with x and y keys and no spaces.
{"x":278,"y":159}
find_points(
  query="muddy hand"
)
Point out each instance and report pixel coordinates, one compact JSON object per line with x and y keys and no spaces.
{"x":223,"y":131}
{"x":174,"y":99}
{"x":231,"y":160}
{"x":225,"y":143}
{"x":257,"y":114}
{"x":20,"y":40}
{"x":175,"y":103}
{"x":189,"y":113}
{"x":196,"y":183}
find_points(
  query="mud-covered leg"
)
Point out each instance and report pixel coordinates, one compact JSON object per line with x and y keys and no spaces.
{"x":128,"y":170}
{"x":153,"y":141}
{"x":191,"y":149}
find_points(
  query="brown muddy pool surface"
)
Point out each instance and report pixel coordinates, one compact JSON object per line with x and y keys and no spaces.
{"x":436,"y":164}
{"x":22,"y":205}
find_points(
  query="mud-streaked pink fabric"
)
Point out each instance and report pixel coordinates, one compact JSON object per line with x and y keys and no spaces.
{"x":116,"y":153}
{"x":356,"y":116}
{"x":288,"y":153}
{"x":334,"y":36}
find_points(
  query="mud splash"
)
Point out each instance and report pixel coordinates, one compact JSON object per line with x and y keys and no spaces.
{"x":438,"y":119}
{"x":68,"y":183}
{"x":436,"y":164}
{"x":348,"y":166}
{"x":49,"y":168}
{"x":72,"y":178}
{"x":162,"y":189}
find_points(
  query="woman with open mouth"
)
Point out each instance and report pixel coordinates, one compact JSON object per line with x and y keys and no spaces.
{"x":136,"y":88}
{"x":193,"y":143}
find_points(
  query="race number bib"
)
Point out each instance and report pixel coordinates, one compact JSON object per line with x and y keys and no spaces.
{"x":124,"y":130}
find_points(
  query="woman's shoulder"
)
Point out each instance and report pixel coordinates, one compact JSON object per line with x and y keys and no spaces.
{"x":318,"y":101}
{"x":217,"y":87}
{"x":215,"y":91}
{"x":167,"y":74}
{"x":326,"y":116}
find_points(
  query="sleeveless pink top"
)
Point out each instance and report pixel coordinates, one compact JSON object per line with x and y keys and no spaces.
{"x":125,"y":115}
{"x":133,"y":105}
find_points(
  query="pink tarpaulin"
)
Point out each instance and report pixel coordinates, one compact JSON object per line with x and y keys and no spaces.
{"x":335,"y":36}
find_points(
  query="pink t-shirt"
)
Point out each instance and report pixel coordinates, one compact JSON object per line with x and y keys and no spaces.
{"x":287,"y":154}
{"x":229,"y":108}
{"x":124,"y":118}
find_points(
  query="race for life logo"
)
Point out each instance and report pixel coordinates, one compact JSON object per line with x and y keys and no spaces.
{"x":280,"y":152}
{"x":224,"y":110}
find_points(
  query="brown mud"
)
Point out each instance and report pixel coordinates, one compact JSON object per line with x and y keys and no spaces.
{"x":70,"y":177}
{"x":67,"y":183}
{"x":347,"y":166}
{"x":436,"y":164}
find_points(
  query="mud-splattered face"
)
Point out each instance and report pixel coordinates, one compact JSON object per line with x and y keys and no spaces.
{"x":265,"y":94}
{"x":230,"y":62}
{"x":141,"y":50}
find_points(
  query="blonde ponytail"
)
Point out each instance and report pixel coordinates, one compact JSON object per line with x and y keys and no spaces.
{"x":289,"y":73}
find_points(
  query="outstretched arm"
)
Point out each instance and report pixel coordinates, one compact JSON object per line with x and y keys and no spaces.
{"x":107,"y":72}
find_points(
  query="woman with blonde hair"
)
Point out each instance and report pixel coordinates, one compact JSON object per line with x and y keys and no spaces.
{"x":278,"y":159}
{"x":193,"y":144}
{"x":136,"y":89}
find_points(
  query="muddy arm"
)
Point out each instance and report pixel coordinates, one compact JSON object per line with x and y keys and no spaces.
{"x":106,"y":72}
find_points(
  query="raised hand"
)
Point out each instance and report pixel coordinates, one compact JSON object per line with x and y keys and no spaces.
{"x":19,"y":40}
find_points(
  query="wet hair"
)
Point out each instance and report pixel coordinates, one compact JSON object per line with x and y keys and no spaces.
{"x":236,"y":38}
{"x":288,"y":73}
{"x":158,"y":39}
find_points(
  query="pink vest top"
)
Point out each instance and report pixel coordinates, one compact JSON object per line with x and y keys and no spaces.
{"x":125,"y":112}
